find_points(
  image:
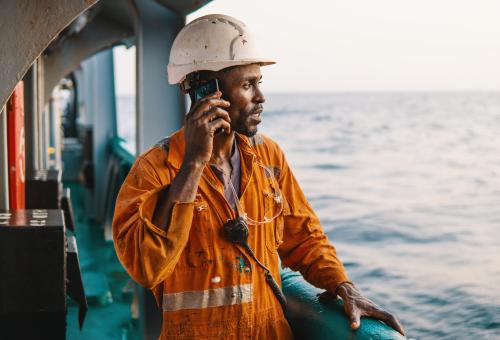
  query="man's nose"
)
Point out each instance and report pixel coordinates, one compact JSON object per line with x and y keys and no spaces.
{"x":259,"y":96}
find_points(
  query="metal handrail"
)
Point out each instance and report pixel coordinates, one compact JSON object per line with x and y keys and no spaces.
{"x":118,"y":147}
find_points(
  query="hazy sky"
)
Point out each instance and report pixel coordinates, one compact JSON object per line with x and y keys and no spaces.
{"x":373,"y":45}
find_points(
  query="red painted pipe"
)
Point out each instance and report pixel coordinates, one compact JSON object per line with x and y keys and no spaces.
{"x":16,"y":148}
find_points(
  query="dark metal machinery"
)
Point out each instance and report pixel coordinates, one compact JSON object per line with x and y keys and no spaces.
{"x":39,"y":266}
{"x":32,"y":274}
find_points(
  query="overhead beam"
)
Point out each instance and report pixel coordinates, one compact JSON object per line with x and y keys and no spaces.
{"x":101,"y":33}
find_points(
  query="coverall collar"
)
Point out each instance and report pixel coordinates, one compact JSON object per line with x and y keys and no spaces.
{"x":177,"y":148}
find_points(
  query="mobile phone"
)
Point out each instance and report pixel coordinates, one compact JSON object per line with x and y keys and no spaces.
{"x":206,"y":89}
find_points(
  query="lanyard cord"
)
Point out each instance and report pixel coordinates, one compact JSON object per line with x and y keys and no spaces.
{"x":269,"y":278}
{"x":278,"y":198}
{"x":237,"y":232}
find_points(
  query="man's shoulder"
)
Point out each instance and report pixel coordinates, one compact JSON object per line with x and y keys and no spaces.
{"x":269,"y":152}
{"x":156,"y":155}
{"x":163,"y":147}
{"x":262,"y":141}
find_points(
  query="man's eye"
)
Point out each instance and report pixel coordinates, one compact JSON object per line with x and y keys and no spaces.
{"x":246,"y":85}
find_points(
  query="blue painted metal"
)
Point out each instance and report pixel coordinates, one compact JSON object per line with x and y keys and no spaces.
{"x":314,"y":320}
{"x":72,"y":156}
{"x":44,"y":129}
{"x":160,"y":107}
{"x":30,"y":119}
{"x":119,"y":148}
{"x":99,"y":111}
{"x":55,"y":135}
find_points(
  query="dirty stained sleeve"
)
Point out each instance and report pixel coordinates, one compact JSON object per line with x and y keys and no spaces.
{"x":305,"y":246}
{"x":148,"y":253}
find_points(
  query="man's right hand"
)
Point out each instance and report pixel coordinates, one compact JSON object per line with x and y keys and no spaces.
{"x":205,"y":117}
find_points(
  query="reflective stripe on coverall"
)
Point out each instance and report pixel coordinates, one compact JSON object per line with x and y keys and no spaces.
{"x":206,"y":286}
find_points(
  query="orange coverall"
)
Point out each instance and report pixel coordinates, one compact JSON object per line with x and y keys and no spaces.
{"x":207,"y":286}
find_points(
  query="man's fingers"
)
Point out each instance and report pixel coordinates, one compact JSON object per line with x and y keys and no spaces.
{"x":206,"y":105}
{"x":355,"y":319}
{"x":394,"y":323}
{"x":389,"y":319}
{"x":219,"y":123}
{"x":352,"y":313}
{"x":215,"y":113}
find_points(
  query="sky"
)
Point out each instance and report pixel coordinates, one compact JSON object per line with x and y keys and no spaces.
{"x":367,"y":45}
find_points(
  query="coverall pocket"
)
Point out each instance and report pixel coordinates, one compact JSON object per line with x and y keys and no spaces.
{"x":201,"y":213}
{"x":275,"y":237}
{"x":199,"y":249}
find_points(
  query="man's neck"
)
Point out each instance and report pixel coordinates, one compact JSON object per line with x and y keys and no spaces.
{"x":223,"y":145}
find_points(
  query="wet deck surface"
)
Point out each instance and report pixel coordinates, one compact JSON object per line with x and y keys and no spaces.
{"x":107,"y":285}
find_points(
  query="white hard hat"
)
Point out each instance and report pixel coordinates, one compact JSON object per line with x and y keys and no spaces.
{"x":212,"y":42}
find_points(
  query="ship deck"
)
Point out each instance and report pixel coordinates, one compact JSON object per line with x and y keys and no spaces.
{"x":108,"y":287}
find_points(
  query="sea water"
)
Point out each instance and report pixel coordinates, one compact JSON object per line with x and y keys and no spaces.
{"x":407,"y":187}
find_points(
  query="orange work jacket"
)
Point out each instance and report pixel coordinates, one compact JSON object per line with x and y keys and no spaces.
{"x":207,"y":286}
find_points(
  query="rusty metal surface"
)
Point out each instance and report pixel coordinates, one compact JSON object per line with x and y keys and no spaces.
{"x":26,"y":29}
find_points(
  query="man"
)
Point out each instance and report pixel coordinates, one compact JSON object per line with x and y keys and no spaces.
{"x":204,"y":216}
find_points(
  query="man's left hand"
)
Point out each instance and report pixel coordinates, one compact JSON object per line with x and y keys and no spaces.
{"x":356,"y":306}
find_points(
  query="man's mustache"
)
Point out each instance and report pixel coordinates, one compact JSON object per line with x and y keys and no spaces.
{"x":258,"y":107}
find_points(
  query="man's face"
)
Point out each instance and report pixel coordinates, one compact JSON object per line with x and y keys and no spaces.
{"x":241,"y":87}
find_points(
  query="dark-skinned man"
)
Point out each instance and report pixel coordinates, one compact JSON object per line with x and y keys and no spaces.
{"x":204,"y":217}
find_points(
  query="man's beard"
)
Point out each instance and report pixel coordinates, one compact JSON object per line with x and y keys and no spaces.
{"x":243,"y":129}
{"x":241,"y":124}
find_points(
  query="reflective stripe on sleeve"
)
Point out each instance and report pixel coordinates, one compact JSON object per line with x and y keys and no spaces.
{"x":217,"y":297}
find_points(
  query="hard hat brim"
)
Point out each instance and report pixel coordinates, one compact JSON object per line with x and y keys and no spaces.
{"x":177,"y":73}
